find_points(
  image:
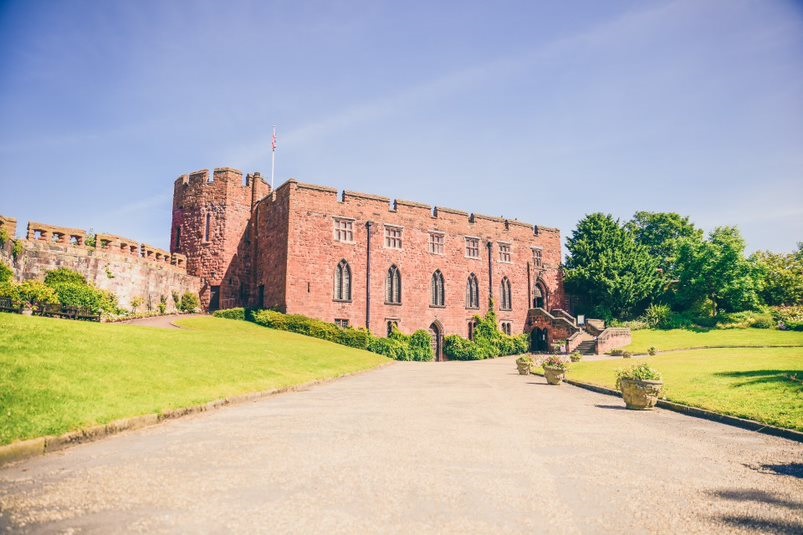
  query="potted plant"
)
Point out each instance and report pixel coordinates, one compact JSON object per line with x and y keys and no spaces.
{"x":524,"y":364}
{"x":576,"y":356}
{"x":640,"y":386}
{"x":554,"y":369}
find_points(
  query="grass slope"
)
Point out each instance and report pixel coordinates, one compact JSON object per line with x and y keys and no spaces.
{"x":681,"y":339}
{"x":59,"y":375}
{"x":749,"y":383}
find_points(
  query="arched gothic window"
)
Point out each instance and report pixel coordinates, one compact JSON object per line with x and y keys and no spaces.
{"x":472,"y":292}
{"x":438,"y":292}
{"x":393,"y":286}
{"x":507,"y":302}
{"x":343,"y":281}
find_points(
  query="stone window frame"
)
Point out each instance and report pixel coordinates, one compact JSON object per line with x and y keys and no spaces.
{"x":470,"y":248}
{"x":343,"y":323}
{"x":472,"y":325}
{"x":505,"y":252}
{"x":391,"y":241}
{"x":391,"y":322}
{"x":538,"y":256}
{"x":438,"y":290}
{"x":437,"y":242}
{"x":346,"y":231}
{"x":506,"y":297}
{"x":473,"y":292}
{"x":393,"y":286}
{"x":506,"y":327}
{"x":208,"y":227}
{"x":342,"y":282}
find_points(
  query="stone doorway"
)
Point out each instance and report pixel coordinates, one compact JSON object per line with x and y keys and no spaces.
{"x":539,"y":341}
{"x":436,"y":333}
{"x":214,"y":298}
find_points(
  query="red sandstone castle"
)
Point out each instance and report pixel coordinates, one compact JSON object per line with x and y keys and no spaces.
{"x":365,"y":261}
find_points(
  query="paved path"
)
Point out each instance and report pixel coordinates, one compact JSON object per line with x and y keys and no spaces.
{"x":162,"y":322}
{"x":417,"y":448}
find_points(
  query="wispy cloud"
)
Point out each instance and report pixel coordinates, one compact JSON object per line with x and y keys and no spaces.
{"x":604,"y":34}
{"x":141,"y":205}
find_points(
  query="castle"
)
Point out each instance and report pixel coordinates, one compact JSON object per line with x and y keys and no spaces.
{"x":354,"y":259}
{"x":366,"y":261}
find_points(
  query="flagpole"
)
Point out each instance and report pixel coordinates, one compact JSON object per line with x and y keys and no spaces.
{"x":273,"y":158}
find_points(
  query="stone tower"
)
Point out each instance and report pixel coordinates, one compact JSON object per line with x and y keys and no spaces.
{"x":211,"y":218}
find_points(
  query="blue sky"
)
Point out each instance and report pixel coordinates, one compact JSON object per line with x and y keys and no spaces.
{"x":541,"y":111}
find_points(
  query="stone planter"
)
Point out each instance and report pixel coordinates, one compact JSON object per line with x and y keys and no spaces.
{"x":554,"y":376}
{"x":640,"y":395}
{"x":524,"y":369}
{"x":27,"y":312}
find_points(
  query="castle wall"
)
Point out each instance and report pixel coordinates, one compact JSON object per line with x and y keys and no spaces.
{"x":313,"y":254}
{"x":126,"y":268}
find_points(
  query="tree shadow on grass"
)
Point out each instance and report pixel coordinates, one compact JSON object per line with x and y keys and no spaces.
{"x":789,"y":378}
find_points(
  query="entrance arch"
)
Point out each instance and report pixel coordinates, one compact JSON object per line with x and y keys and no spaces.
{"x":539,"y":341}
{"x":540,"y":295}
{"x":436,"y":333}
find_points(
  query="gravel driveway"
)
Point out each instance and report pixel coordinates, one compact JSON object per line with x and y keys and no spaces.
{"x":417,"y":448}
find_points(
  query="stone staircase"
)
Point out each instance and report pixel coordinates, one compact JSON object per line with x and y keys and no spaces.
{"x":592,"y":338}
{"x":587,"y":347}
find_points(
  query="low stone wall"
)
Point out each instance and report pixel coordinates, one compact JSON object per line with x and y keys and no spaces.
{"x":613,"y":338}
{"x":121,"y":271}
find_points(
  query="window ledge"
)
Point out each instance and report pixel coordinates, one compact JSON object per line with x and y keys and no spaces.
{"x":437,"y":306}
{"x":393,"y":304}
{"x":342,"y":300}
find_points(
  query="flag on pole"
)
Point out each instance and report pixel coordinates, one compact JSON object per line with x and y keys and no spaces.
{"x":273,"y":143}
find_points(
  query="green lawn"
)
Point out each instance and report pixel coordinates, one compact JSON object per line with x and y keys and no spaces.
{"x":61,"y":375}
{"x":682,"y":339}
{"x":750,"y":383}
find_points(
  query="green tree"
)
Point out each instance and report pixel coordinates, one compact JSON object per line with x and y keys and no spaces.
{"x":606,"y":264}
{"x":715,"y":270}
{"x":781,"y":277}
{"x":662,"y":233}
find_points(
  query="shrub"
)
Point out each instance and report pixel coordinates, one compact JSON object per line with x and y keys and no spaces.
{"x":652,"y":351}
{"x":657,"y":316}
{"x":62,"y":275}
{"x":576,"y":356}
{"x":9,"y":290}
{"x":616,"y":352}
{"x":162,"y":308}
{"x":747,"y":319}
{"x":489,"y":341}
{"x":4,"y":237}
{"x":189,"y":302}
{"x":136,"y":302}
{"x":6,"y":274}
{"x":79,"y":295}
{"x":37,"y":293}
{"x":626,"y":354}
{"x":17,"y":249}
{"x":231,"y":314}
{"x":389,"y":347}
{"x":176,"y":298}
{"x":638,"y":372}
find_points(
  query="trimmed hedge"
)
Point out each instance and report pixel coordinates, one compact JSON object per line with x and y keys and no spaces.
{"x":317,"y":329}
{"x":231,"y":314}
{"x":398,"y":346}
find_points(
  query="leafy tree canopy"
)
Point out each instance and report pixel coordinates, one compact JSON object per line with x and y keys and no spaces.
{"x":781,"y":277}
{"x":661,"y":232}
{"x":717,"y":270}
{"x":608,"y":265}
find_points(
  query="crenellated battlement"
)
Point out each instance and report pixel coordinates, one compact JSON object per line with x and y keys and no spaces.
{"x":9,"y":225}
{"x":380,"y":204}
{"x":72,"y":238}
